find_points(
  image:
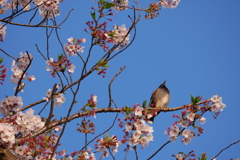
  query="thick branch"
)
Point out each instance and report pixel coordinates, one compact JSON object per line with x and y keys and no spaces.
{"x":5,"y":154}
{"x":100,"y":110}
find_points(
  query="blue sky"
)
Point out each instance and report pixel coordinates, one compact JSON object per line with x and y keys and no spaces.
{"x":194,"y":47}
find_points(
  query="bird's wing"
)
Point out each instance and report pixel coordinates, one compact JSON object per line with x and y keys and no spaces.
{"x":153,"y":99}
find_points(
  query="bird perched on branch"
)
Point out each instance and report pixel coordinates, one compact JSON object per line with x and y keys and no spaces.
{"x":159,"y":99}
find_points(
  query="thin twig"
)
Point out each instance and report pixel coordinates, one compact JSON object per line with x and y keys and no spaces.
{"x":109,"y":86}
{"x":159,"y":150}
{"x":7,"y":54}
{"x":136,"y":153}
{"x":20,"y":80}
{"x":52,"y":105}
{"x":40,"y":52}
{"x":111,"y":153}
{"x":225,"y":148}
{"x":27,"y":25}
{"x":102,"y":132}
{"x":66,"y":17}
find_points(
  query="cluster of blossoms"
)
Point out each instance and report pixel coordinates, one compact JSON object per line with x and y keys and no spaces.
{"x":72,"y":47}
{"x":92,"y":102}
{"x":86,"y":126}
{"x":108,"y":143}
{"x":20,"y":123}
{"x":47,"y":8}
{"x":2,"y":31}
{"x":28,"y":122}
{"x":153,"y":10}
{"x":118,"y":36}
{"x":7,"y":134}
{"x":82,"y":155}
{"x":182,"y":156}
{"x":142,"y":134}
{"x":19,"y":66}
{"x":89,"y":156}
{"x":189,"y":116}
{"x":120,"y":5}
{"x":169,"y":4}
{"x":137,"y":131}
{"x":10,"y":104}
{"x":59,"y":98}
{"x":60,"y":65}
{"x":39,"y":148}
{"x":4,"y":6}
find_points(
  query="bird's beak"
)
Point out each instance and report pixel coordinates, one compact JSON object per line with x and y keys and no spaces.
{"x":165,"y":82}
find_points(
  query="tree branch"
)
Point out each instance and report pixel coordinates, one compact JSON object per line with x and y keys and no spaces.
{"x":109,"y":86}
{"x":225,"y":148}
{"x":100,"y":110}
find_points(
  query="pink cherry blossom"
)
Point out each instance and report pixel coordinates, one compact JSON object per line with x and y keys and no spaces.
{"x":202,"y":120}
{"x":138,"y":111}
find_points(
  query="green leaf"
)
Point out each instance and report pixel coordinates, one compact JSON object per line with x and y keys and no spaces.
{"x":204,"y":157}
{"x":108,"y":5}
{"x":103,"y":63}
{"x":144,"y":104}
{"x":101,"y":1}
{"x":60,"y":56}
{"x":127,"y":110}
{"x":93,"y":14}
{"x":195,"y":100}
{"x":192,"y":98}
{"x":107,"y":136}
{"x":1,"y":60}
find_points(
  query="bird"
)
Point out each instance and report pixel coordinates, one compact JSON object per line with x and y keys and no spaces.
{"x":159,"y":99}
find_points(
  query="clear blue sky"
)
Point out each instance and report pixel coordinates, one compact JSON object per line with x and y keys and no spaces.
{"x":195,"y":47}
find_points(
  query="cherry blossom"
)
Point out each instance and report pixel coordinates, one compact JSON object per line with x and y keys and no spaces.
{"x":191,"y":116}
{"x":48,"y":8}
{"x":202,"y":120}
{"x":61,"y":65}
{"x":120,"y":5}
{"x":108,"y":143}
{"x":10,"y":104}
{"x":138,"y":111}
{"x":19,"y":66}
{"x":179,"y":156}
{"x":73,"y":46}
{"x":217,"y":103}
{"x":92,"y":102}
{"x":25,"y":4}
{"x":59,"y":100}
{"x":118,"y":36}
{"x":184,"y":124}
{"x":2,"y":30}
{"x":48,"y":95}
{"x":169,"y":3}
{"x":188,"y":134}
{"x":174,"y":131}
